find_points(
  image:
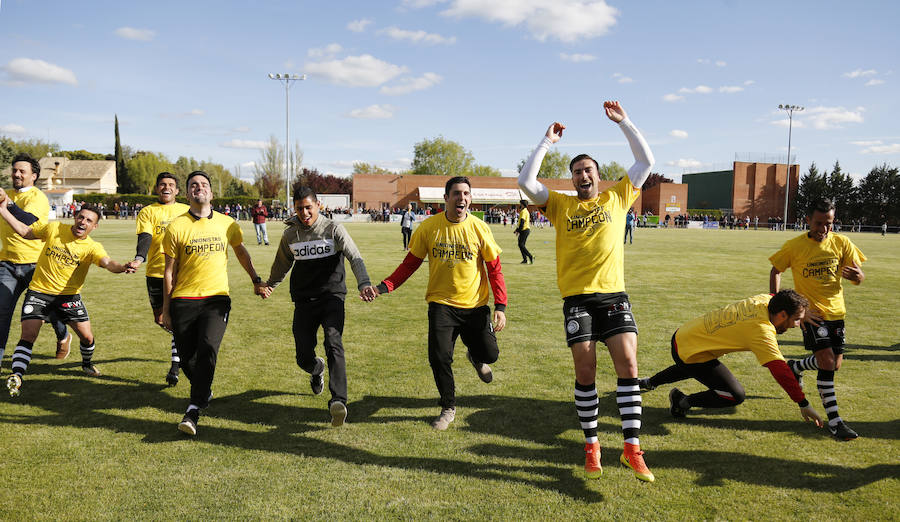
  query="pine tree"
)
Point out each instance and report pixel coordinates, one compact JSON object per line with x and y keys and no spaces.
{"x":812,"y":188}
{"x":121,"y":173}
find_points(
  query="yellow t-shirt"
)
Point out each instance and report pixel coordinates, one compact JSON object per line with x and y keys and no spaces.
{"x":64,"y":261}
{"x":816,"y":268}
{"x":525,"y":219}
{"x":153,"y":220}
{"x":590,"y":257}
{"x":739,"y":327}
{"x":200,"y":250}
{"x":456,"y":255}
{"x":17,"y":249}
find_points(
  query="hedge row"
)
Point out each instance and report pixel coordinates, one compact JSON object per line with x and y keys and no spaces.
{"x":110,"y":200}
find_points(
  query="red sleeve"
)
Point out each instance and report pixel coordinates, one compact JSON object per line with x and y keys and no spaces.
{"x":498,"y":284}
{"x":786,"y":379}
{"x":409,"y":265}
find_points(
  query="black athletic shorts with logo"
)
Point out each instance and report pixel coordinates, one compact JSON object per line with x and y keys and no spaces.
{"x":68,"y":308}
{"x":829,"y":334}
{"x":155,"y":291}
{"x":597,"y":317}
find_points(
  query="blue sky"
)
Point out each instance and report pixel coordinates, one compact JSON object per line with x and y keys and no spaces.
{"x":702,"y":80}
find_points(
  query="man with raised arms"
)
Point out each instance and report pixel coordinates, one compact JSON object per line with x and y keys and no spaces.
{"x":749,"y":325}
{"x":55,"y":288}
{"x":590,"y":275}
{"x":464,"y":268}
{"x":196,"y":304}
{"x":152,"y":221}
{"x":818,"y":260}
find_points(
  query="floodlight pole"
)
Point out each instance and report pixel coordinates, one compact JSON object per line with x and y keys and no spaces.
{"x":287,"y":79}
{"x":787,"y":183}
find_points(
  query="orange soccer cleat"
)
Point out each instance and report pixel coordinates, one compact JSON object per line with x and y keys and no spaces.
{"x":592,"y":466}
{"x":633,"y":457}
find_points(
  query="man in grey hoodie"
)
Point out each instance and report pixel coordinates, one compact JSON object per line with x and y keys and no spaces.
{"x":316,"y":247}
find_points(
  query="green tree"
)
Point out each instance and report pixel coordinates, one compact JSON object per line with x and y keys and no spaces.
{"x":441,"y":157}
{"x":485,"y":170}
{"x":7,"y":151}
{"x":813,"y":186}
{"x":121,"y":171}
{"x":611,"y":171}
{"x":268,"y":176}
{"x":555,"y":165}
{"x":142,"y":171}
{"x":360,"y":167}
{"x":82,"y":155}
{"x":839,"y":188}
{"x":239,"y":187}
{"x":183,"y":167}
{"x":878,"y":196}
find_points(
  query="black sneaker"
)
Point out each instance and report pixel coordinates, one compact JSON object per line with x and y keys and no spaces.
{"x":317,"y":379}
{"x":189,"y":423}
{"x":675,"y":408}
{"x":172,"y":376}
{"x":644,"y":384}
{"x":841,"y":431}
{"x":792,"y":364}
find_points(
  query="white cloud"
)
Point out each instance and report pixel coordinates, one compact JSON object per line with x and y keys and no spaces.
{"x":866,"y":143}
{"x":326,"y":52}
{"x":356,"y":71}
{"x":563,"y":20}
{"x":131,"y":33}
{"x":703,"y":61}
{"x":373,"y":112}
{"x":700,"y":89}
{"x":12,"y":128}
{"x":685,"y":163}
{"x":196,"y":112}
{"x":749,"y":82}
{"x":245,"y":144}
{"x":672,"y":97}
{"x":730,"y":89}
{"x":874,"y":81}
{"x":241,"y":129}
{"x":249,"y":164}
{"x":408,"y":85}
{"x":678,"y":133}
{"x":577,"y":58}
{"x":418,"y":36}
{"x":786,"y":122}
{"x":417,"y":4}
{"x":358,"y":26}
{"x":26,"y":70}
{"x":621,"y":78}
{"x":859,"y":73}
{"x":720,"y":63}
{"x":824,"y":118}
{"x":893,"y":148}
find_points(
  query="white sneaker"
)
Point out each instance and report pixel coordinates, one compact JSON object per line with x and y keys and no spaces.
{"x":443,"y":421}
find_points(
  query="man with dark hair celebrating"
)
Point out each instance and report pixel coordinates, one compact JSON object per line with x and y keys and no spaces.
{"x":313,"y":247}
{"x":590,"y":273}
{"x":19,"y":256}
{"x":749,"y":325}
{"x":818,"y":260}
{"x":55,"y":288}
{"x":464,"y":267}
{"x":523,"y":228}
{"x":152,"y":221}
{"x":195,"y":289}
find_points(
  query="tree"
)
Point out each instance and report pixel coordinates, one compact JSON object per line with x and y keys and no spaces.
{"x":142,"y":171}
{"x":485,"y":170}
{"x":268,"y":176}
{"x":611,"y":171}
{"x":878,"y":196}
{"x":441,"y":157}
{"x":812,"y":188}
{"x":360,"y":167}
{"x":324,"y":183}
{"x":555,"y":165}
{"x":82,"y":155}
{"x":839,"y":188}
{"x":121,"y":171}
{"x":655,"y":179}
{"x":239,"y":187}
{"x":296,"y":162}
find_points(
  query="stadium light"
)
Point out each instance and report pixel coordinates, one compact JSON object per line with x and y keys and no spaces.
{"x":787,"y":183}
{"x":287,"y":79}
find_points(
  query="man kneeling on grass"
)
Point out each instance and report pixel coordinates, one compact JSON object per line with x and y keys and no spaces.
{"x":748,"y":325}
{"x":58,"y":278}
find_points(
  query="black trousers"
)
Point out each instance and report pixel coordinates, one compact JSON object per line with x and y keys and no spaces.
{"x":199,"y":325}
{"x":407,"y":234}
{"x":523,"y":237}
{"x":445,"y":324}
{"x":327,"y":312}
{"x":724,"y":389}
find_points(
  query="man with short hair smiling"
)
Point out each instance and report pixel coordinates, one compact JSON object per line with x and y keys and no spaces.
{"x":464,"y":266}
{"x":55,"y":288}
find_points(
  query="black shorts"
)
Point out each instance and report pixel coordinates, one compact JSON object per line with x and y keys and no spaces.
{"x":155,"y":291}
{"x":830,"y":334}
{"x":68,"y":308}
{"x":597,"y":317}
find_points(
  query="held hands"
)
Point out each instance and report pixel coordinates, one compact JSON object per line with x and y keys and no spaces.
{"x":809,"y":414}
{"x":132,"y":266}
{"x":262,"y":289}
{"x":555,"y":132}
{"x":368,"y":294}
{"x":614,"y":111}
{"x":499,"y":320}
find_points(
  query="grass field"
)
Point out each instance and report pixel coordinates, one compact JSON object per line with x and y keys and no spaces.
{"x":108,"y":448}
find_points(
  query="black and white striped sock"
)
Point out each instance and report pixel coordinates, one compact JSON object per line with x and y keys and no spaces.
{"x":808,"y":363}
{"x":586,"y":403}
{"x":825,"y":383}
{"x":87,"y":352}
{"x":176,"y":360}
{"x":21,"y":357}
{"x":628,"y":398}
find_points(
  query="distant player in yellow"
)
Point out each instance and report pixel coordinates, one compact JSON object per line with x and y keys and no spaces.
{"x":61,"y":268}
{"x":590,"y":272}
{"x":749,"y":325}
{"x":152,"y":221}
{"x":196,"y":304}
{"x":19,"y":256}
{"x":818,"y":260}
{"x":464,"y":269}
{"x":523,"y":228}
